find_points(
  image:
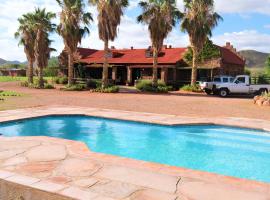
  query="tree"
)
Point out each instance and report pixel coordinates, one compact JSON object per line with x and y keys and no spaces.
{"x":70,"y":28}
{"x":198,"y":21}
{"x":109,"y":18}
{"x":26,"y":36}
{"x":267,"y":68}
{"x":42,"y":26}
{"x":160,"y":16}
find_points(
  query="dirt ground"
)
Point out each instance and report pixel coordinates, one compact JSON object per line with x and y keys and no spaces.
{"x":197,"y":105}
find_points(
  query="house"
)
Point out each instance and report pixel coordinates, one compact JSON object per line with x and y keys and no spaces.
{"x":128,"y":65}
{"x":12,"y":72}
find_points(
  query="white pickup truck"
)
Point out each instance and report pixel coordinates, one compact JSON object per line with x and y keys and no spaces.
{"x":240,"y":85}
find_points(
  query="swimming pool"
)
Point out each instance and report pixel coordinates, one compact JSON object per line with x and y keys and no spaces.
{"x":243,"y":153}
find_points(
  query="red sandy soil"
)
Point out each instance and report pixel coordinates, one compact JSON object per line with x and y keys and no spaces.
{"x":177,"y":103}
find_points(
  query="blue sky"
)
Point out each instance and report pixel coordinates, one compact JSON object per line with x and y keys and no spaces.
{"x":246,"y":25}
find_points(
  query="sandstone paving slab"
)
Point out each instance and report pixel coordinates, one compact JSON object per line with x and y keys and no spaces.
{"x":78,"y":194}
{"x":9,"y":144}
{"x":5,"y":154}
{"x":86,"y":182}
{"x":48,"y":186}
{"x":14,"y":161}
{"x":46,"y":153}
{"x":24,"y":180}
{"x":197,"y":190}
{"x":148,"y":194}
{"x":5,"y":174}
{"x":75,"y":167}
{"x":140,"y":177}
{"x":114,"y":189}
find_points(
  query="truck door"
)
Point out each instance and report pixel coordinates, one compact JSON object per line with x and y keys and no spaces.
{"x":240,"y":86}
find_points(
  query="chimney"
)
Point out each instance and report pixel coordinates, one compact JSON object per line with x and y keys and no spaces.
{"x":112,"y":47}
{"x":170,"y":46}
{"x":132,"y":48}
{"x":228,"y":45}
{"x":165,"y":46}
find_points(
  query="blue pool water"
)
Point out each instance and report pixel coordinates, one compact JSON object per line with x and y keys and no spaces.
{"x":243,"y":153}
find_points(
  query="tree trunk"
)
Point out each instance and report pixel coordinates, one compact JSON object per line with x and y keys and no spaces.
{"x":194,"y":67}
{"x":40,"y":78}
{"x":70,"y":69}
{"x":105,"y":65}
{"x":155,"y":68}
{"x":30,"y":71}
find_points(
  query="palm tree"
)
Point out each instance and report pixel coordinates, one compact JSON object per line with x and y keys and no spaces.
{"x":27,"y":37}
{"x":161,"y":16}
{"x":71,"y":19}
{"x":42,"y":26}
{"x":109,"y":18}
{"x":198,"y":21}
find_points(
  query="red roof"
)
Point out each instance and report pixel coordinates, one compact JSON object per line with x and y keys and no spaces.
{"x":137,"y":56}
{"x":131,"y":56}
{"x":230,"y":57}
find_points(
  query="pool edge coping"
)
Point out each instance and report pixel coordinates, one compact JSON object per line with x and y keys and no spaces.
{"x":133,"y":163}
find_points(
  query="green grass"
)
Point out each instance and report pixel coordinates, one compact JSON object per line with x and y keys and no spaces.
{"x":12,"y":79}
{"x":9,"y":94}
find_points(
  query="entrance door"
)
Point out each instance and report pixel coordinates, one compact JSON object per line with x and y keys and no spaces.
{"x":121,"y":78}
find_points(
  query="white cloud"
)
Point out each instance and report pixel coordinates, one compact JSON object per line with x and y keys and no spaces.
{"x":247,"y":39}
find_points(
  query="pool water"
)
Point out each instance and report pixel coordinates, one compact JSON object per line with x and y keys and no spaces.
{"x":243,"y":153}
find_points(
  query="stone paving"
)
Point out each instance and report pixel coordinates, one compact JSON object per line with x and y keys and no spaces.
{"x":51,"y":168}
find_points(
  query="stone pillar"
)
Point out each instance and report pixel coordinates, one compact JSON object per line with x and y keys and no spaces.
{"x":129,"y":76}
{"x":164,"y":74}
{"x":114,"y":73}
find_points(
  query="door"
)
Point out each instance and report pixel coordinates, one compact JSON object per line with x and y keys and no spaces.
{"x":239,"y":86}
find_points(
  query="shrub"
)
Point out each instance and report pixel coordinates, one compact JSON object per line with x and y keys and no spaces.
{"x":266,"y":95}
{"x":24,"y":84}
{"x":110,"y":89}
{"x":48,"y":86}
{"x":9,"y":94}
{"x":93,"y":83}
{"x":76,"y":87}
{"x":191,"y":88}
{"x":61,"y":80}
{"x":146,"y":86}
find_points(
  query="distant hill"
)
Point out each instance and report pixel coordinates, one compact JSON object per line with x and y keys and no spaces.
{"x":254,"y":59}
{"x":4,"y":62}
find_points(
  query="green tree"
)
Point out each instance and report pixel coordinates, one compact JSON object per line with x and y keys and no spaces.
{"x":109,"y":18}
{"x":267,"y":67}
{"x":27,"y":36}
{"x":160,"y":16}
{"x":209,"y":51}
{"x":73,"y":26}
{"x":198,"y":21}
{"x":42,"y":25}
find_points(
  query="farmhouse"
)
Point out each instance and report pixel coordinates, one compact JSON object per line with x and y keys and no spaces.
{"x":129,"y":65}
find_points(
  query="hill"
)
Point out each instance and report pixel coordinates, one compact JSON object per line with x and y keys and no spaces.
{"x":4,"y":62}
{"x":254,"y":59}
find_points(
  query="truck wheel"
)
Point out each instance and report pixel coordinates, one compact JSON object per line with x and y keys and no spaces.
{"x":223,"y":92}
{"x":208,"y":92}
{"x":261,"y":91}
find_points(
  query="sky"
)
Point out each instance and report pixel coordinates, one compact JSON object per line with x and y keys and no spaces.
{"x":246,"y":24}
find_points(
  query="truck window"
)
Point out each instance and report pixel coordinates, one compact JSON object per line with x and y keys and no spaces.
{"x":225,"y":80}
{"x":240,"y":80}
{"x":231,"y":80}
{"x":218,"y":80}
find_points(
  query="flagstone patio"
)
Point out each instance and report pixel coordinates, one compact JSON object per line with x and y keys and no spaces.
{"x":52,"y":168}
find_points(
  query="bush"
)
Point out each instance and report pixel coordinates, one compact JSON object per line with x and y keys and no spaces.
{"x":190,"y":88}
{"x":24,"y":84}
{"x":266,"y":95}
{"x":61,"y":80}
{"x":76,"y":87}
{"x":48,"y":86}
{"x":93,"y":83}
{"x":110,"y":89}
{"x":146,"y":86}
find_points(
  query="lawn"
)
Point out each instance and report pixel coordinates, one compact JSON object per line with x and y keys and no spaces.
{"x":12,"y":79}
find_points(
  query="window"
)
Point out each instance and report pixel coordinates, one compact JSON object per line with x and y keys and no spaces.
{"x":225,"y":80}
{"x":240,"y":80}
{"x":218,"y":80}
{"x":231,"y":80}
